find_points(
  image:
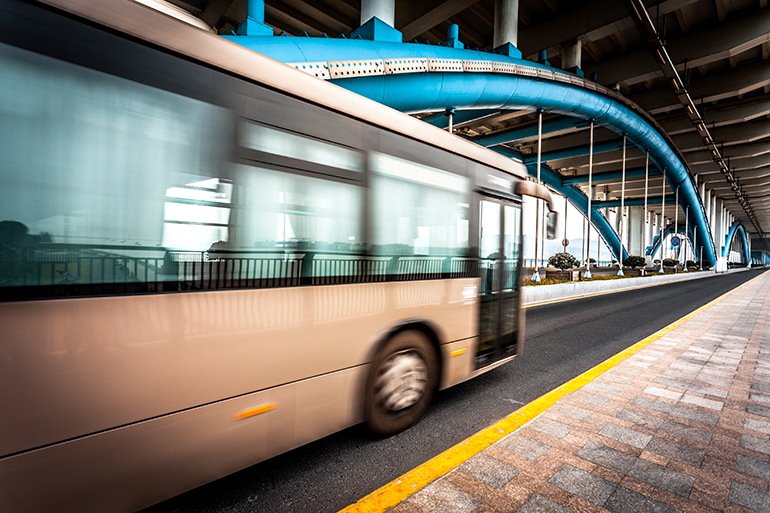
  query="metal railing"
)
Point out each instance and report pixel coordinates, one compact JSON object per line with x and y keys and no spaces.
{"x":97,"y":270}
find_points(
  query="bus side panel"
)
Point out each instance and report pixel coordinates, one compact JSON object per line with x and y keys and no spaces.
{"x":133,"y":467}
{"x":85,"y":365}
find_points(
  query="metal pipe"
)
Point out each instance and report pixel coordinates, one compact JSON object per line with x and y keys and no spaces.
{"x":686,"y":234}
{"x":587,"y":274}
{"x":645,"y":217}
{"x":536,"y":275}
{"x":622,"y":208}
{"x":676,"y":220}
{"x":662,"y":221}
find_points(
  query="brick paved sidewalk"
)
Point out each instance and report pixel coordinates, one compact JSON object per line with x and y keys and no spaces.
{"x":683,"y":425}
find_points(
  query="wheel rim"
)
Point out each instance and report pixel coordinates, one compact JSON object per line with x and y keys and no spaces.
{"x":401,"y":380}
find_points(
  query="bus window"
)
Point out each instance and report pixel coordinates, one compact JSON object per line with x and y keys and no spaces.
{"x":419,"y":216}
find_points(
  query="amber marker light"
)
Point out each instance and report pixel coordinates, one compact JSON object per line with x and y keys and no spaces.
{"x":254,"y":411}
{"x":457,"y":353}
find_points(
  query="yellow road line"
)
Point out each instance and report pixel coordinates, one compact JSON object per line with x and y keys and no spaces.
{"x":400,"y":489}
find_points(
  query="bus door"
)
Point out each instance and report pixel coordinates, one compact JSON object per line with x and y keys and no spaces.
{"x":499,"y":252}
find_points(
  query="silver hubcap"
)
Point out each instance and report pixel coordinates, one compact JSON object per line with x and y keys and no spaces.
{"x":401,"y":380}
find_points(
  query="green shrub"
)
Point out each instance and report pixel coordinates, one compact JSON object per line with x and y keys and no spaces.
{"x":563,"y":261}
{"x":670,"y":262}
{"x":635,"y":261}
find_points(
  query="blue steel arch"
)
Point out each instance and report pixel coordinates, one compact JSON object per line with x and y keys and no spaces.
{"x":651,"y":250}
{"x":737,"y":229}
{"x":436,"y":91}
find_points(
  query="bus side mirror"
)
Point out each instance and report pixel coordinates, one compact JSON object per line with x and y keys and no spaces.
{"x":551,"y":220}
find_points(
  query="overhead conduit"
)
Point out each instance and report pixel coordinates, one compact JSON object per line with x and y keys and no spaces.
{"x":418,"y":78}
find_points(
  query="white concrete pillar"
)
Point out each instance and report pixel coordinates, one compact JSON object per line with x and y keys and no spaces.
{"x":635,"y":229}
{"x":572,"y":55}
{"x":506,"y":23}
{"x":385,"y":10}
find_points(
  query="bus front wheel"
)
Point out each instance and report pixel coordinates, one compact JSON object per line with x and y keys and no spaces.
{"x":402,"y":379}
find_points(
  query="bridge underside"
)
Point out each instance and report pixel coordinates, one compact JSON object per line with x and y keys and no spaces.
{"x":430,"y":81}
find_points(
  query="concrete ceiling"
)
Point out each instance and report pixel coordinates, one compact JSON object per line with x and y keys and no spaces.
{"x":720,"y":48}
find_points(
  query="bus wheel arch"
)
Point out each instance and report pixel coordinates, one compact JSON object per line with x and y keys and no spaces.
{"x":402,"y":378}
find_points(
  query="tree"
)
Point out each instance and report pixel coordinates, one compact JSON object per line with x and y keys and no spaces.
{"x":563,"y":261}
{"x":670,"y":262}
{"x":634,"y":261}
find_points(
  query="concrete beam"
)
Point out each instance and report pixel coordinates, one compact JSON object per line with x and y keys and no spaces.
{"x":740,"y":134}
{"x":732,"y":152}
{"x":722,"y":117}
{"x":595,"y":21}
{"x":720,"y":178}
{"x":433,"y":17}
{"x":527,"y":132}
{"x":720,"y":42}
{"x":710,"y":88}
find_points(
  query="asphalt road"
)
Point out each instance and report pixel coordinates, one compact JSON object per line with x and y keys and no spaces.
{"x":563,"y":340}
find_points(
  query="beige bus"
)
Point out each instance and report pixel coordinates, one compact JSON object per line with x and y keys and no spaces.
{"x":208,"y":258}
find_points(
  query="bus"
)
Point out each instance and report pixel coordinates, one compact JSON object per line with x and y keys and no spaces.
{"x":208,"y":258}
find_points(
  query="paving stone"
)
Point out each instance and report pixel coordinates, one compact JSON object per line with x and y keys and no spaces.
{"x":607,"y":457}
{"x":539,"y":504}
{"x":678,"y":411}
{"x":692,"y":361}
{"x":524,"y":446}
{"x":624,"y":500}
{"x":694,"y":387}
{"x":686,"y":367}
{"x":574,"y":412}
{"x":685,"y":431}
{"x":604,"y":388}
{"x":593,"y":399}
{"x":675,"y":451}
{"x":715,"y":372}
{"x":755,"y":444}
{"x":761,"y":370}
{"x":760,"y":387}
{"x":724,"y":383}
{"x":551,"y":427}
{"x":759,"y":377}
{"x":757,"y":409}
{"x":757,"y":468}
{"x":661,"y":392}
{"x":443,"y":496}
{"x":489,"y":471}
{"x":640,"y":418}
{"x":757,"y":425}
{"x":617,"y":378}
{"x":749,"y":497}
{"x":579,"y":482}
{"x":702,"y":401}
{"x":625,"y":435}
{"x":760,"y":398}
{"x":662,"y":477}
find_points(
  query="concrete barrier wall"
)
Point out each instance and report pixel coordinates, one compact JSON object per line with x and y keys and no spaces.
{"x":533,"y":295}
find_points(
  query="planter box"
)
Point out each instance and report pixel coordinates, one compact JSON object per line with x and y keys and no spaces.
{"x":563,"y":275}
{"x":634,"y":272}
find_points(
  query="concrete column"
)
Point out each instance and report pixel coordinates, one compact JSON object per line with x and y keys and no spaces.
{"x":635,"y":228}
{"x":706,"y":198}
{"x":385,"y":10}
{"x":506,"y":23}
{"x":572,"y":56}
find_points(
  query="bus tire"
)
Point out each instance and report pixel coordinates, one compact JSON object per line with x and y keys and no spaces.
{"x":401,"y":383}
